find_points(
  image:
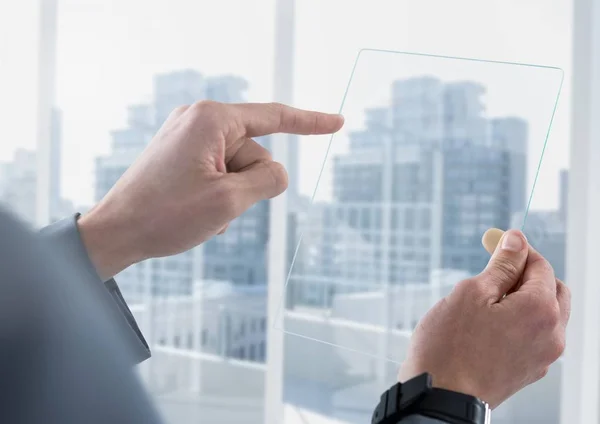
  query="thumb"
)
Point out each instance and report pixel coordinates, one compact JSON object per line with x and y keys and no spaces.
{"x":261,"y":180}
{"x":506,"y":266}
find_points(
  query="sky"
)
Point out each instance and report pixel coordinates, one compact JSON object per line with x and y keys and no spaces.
{"x":109,"y":50}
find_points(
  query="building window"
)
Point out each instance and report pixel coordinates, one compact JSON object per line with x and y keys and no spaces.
{"x":409,"y":222}
{"x":252,"y":352}
{"x":425,"y":219}
{"x":261,"y":351}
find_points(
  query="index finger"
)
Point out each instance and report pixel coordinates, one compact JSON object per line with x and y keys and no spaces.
{"x":258,"y":119}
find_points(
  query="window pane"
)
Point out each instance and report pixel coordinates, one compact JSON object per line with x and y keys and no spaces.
{"x":18,"y":100}
{"x":123,"y":66}
{"x":329,"y":36}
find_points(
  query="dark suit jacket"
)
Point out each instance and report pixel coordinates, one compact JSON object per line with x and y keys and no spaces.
{"x":67,"y":344}
{"x":67,"y":340}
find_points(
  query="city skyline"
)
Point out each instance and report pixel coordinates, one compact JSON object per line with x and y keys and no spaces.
{"x":414,"y":190}
{"x":88,"y":73}
{"x":100,"y":72}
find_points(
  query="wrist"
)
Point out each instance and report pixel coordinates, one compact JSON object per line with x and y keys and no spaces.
{"x":454,"y":382}
{"x":109,"y":242}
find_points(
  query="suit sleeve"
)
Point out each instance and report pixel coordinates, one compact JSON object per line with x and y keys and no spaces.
{"x":64,"y":354}
{"x":64,"y":236}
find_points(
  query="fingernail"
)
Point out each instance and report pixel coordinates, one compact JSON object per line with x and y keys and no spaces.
{"x":512,"y":242}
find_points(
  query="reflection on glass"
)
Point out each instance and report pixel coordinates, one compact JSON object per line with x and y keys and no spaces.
{"x":434,"y":151}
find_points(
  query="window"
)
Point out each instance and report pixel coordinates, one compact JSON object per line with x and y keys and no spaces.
{"x":123,"y":53}
{"x":139,"y":60}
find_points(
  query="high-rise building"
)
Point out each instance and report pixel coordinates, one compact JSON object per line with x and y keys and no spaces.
{"x":238,"y":256}
{"x":414,"y":193}
{"x":18,"y":184}
{"x":18,"y":178}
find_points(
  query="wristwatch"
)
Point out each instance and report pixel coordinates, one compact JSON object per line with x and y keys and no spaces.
{"x":418,"y":397}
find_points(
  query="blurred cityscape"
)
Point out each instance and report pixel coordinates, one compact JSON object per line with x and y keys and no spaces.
{"x":412,"y":196}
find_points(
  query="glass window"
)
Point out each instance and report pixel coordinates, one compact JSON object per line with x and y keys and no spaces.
{"x":130,"y":62}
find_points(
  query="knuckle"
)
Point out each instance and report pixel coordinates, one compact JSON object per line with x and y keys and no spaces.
{"x":210,"y":114}
{"x":228,"y":200}
{"x":504,"y":268}
{"x":207,"y":109}
{"x":564,"y":290}
{"x":279,"y":175}
{"x":179,"y":110}
{"x":552,"y":315}
{"x":556,"y":347}
{"x":469,"y":287}
{"x":276,"y":106}
{"x":278,"y":110}
{"x":204,"y":105}
{"x":543,"y":372}
{"x":546,"y":311}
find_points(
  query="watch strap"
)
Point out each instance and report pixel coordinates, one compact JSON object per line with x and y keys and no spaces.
{"x":398,"y":401}
{"x":453,"y":407}
{"x":418,"y":397}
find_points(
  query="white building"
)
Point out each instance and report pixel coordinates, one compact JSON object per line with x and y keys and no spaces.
{"x":218,"y":318}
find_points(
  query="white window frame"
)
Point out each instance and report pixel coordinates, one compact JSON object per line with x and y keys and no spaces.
{"x":580,"y":383}
{"x":48,"y":22}
{"x":278,"y":231}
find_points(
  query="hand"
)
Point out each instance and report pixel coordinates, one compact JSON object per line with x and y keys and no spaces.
{"x":478,"y":342}
{"x":201,"y":171}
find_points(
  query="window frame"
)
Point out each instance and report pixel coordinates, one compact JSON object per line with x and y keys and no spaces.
{"x":282,"y":150}
{"x":580,"y":384}
{"x":48,"y":22}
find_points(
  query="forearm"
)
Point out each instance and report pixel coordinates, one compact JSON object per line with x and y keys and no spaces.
{"x":110,"y":243}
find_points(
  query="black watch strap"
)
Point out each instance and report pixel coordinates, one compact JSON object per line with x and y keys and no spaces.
{"x":418,"y":397}
{"x":398,"y":402}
